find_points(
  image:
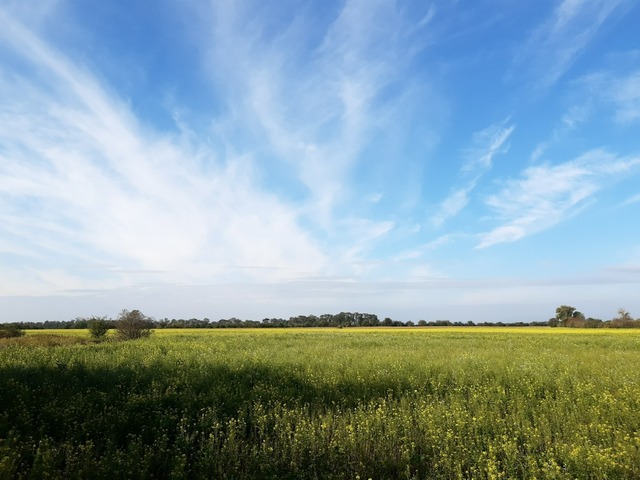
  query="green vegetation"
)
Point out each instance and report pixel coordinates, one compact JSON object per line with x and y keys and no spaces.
{"x":98,"y":327}
{"x":133,"y":325}
{"x":10,"y":331}
{"x":324,"y":403}
{"x":567,"y":316}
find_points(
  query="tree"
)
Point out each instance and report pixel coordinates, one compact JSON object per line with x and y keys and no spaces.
{"x":568,"y":316}
{"x":133,"y":324}
{"x":624,"y":320}
{"x":98,"y":326}
{"x":10,"y":331}
{"x":593,"y":323}
{"x":624,"y":315}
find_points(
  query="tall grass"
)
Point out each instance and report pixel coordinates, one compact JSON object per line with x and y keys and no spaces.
{"x":376,"y":403}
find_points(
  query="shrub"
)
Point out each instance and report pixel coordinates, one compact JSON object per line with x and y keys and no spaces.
{"x":98,"y":327}
{"x":133,"y":324}
{"x":10,"y":331}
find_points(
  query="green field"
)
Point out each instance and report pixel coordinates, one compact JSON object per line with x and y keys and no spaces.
{"x":324,"y":403}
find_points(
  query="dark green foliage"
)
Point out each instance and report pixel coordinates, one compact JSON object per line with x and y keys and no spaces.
{"x":568,"y":316}
{"x":133,"y":325}
{"x":98,"y":326}
{"x":10,"y":331}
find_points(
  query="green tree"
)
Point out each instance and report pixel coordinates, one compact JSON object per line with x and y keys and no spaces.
{"x":98,"y":326}
{"x":133,"y":324}
{"x":568,"y":316}
{"x":10,"y":331}
{"x":624,"y":320}
{"x":593,"y":323}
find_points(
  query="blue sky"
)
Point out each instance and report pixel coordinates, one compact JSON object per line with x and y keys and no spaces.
{"x":418,"y":160}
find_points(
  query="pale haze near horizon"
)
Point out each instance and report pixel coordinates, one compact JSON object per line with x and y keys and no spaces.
{"x":417,"y":160}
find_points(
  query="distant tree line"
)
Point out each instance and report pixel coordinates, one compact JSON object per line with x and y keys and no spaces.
{"x":339,"y":320}
{"x":566,"y":316}
{"x":343,"y":319}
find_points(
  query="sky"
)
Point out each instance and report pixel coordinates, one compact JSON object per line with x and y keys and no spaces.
{"x":413,"y":159}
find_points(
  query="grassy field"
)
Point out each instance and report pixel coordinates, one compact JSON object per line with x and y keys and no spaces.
{"x":323,"y":403}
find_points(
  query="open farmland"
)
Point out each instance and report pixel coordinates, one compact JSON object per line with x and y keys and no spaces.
{"x":325,"y":403}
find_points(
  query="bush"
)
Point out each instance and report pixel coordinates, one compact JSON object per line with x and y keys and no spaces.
{"x":98,"y":327}
{"x":133,"y":324}
{"x":10,"y":331}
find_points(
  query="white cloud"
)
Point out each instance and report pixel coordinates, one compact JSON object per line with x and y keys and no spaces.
{"x":571,"y":120}
{"x":503,"y":234}
{"x":631,"y":200}
{"x":419,"y":251}
{"x":429,"y":16}
{"x":82,"y":179}
{"x":487,"y":143}
{"x":554,"y":46}
{"x":625,"y":94}
{"x":617,"y":91}
{"x":361,"y":235}
{"x":375,"y":198}
{"x":310,"y":95}
{"x":318,"y":116}
{"x":576,"y":115}
{"x":547,"y":194}
{"x":610,"y":94}
{"x":451,"y":206}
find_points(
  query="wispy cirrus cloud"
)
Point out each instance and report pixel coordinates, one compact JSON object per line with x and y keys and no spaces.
{"x":554,"y":45}
{"x":625,"y":94}
{"x":548,"y":194}
{"x":609,"y":94}
{"x":573,"y":119}
{"x":452,"y":205}
{"x":311,"y":90}
{"x":616,"y":91}
{"x":487,"y":143}
{"x":316,"y":103}
{"x":631,"y":200}
{"x":82,"y":179}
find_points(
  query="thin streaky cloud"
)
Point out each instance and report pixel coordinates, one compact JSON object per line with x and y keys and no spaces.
{"x":317,"y":119}
{"x":547,"y":194}
{"x":451,"y":206}
{"x":571,"y":120}
{"x":625,"y":95}
{"x":487,"y":143}
{"x":631,"y":200}
{"x":562,"y":38}
{"x":616,"y":92}
{"x":130,"y":194}
{"x":419,"y":252}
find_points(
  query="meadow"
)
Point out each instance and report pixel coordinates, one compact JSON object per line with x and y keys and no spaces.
{"x":413,"y":403}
